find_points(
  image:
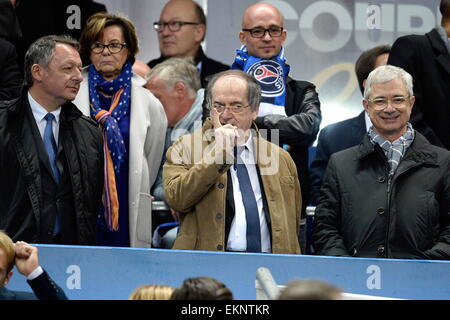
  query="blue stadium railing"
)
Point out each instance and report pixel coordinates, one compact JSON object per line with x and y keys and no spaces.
{"x":113,"y":273}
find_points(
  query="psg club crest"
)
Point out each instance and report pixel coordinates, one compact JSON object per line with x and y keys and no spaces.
{"x":270,"y":76}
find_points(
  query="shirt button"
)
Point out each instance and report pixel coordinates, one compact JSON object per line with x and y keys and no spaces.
{"x":220,"y":186}
{"x":380,"y":250}
{"x":381,"y":179}
{"x":220,"y":247}
{"x":380,"y":210}
{"x":219,"y":216}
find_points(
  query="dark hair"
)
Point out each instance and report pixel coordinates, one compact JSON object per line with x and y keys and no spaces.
{"x":95,"y":26}
{"x":253,"y":87}
{"x":200,"y":16}
{"x":199,"y":13}
{"x":366,"y":63}
{"x":444,"y":8}
{"x":202,"y":288}
{"x":42,"y":51}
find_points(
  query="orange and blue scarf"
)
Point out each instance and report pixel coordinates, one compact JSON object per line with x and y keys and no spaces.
{"x":113,"y":145}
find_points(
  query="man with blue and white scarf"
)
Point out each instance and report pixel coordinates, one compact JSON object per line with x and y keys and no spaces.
{"x":292,"y":107}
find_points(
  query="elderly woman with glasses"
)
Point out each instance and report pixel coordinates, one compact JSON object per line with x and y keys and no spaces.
{"x":133,"y":123}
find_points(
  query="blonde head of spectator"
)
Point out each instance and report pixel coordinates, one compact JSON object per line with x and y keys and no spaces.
{"x":152,"y":292}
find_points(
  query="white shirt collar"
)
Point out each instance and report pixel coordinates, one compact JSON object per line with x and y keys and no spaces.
{"x":39,"y":112}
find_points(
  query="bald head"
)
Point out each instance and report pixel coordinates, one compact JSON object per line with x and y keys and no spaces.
{"x":260,"y":9}
{"x":265,"y":17}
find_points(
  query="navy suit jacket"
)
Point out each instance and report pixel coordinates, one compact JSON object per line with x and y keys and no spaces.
{"x":333,"y":138}
{"x":43,"y":286}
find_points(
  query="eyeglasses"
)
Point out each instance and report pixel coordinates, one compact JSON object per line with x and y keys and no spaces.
{"x":174,"y":26}
{"x":114,"y":47}
{"x":234,"y":109}
{"x":261,"y":32}
{"x":382,"y":103}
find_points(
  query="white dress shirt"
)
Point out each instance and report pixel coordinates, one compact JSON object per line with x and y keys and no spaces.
{"x":237,"y":238}
{"x":368,"y":122}
{"x":39,"y":112}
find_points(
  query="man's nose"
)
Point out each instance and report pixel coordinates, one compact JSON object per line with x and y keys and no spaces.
{"x":267,"y":36}
{"x":77,"y":76}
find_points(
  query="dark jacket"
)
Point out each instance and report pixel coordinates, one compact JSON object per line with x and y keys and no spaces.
{"x":333,"y":138}
{"x":363,"y":213}
{"x":10,"y":75}
{"x":208,"y":65}
{"x":427,"y":59}
{"x":43,"y":286}
{"x":21,"y":193}
{"x":299,"y":129}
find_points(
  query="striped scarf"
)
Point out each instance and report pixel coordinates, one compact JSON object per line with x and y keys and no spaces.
{"x":394,"y":151}
{"x":114,"y":145}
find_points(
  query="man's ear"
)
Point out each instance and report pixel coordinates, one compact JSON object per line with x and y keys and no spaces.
{"x":200,"y":32}
{"x":366,"y":105}
{"x":180,"y":89}
{"x":242,"y":38}
{"x":37,"y":72}
{"x":255,"y":113}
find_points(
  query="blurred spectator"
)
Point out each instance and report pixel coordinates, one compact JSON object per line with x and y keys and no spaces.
{"x":427,"y":59}
{"x":388,"y":197}
{"x":44,"y":17}
{"x":291,"y":108}
{"x":175,"y":82}
{"x":9,"y":24}
{"x":310,"y":290}
{"x":202,"y":288}
{"x":152,"y":292}
{"x":347,"y":133}
{"x":181,"y":29}
{"x":26,"y":259}
{"x":133,"y":124}
{"x":141,"y":69}
{"x":234,"y":190}
{"x":10,"y":75}
{"x":51,"y":182}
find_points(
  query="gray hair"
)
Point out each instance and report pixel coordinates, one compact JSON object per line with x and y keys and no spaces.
{"x":387,"y":73}
{"x":175,"y":70}
{"x":253,"y":87}
{"x":42,"y":51}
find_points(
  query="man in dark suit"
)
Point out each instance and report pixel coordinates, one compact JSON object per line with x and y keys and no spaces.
{"x":427,"y":59}
{"x":347,"y":133}
{"x":51,"y":156}
{"x":26,"y":259}
{"x":10,"y":76}
{"x":181,"y":29}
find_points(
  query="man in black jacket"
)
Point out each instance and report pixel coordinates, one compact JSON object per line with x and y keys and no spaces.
{"x":10,"y":76}
{"x":350,"y":132}
{"x":51,"y":156}
{"x":427,"y":59}
{"x":26,"y":259}
{"x":289,"y":108}
{"x":181,"y":29}
{"x":388,"y":197}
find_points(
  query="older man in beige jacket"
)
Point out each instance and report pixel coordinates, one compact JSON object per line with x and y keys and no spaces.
{"x":202,"y":183}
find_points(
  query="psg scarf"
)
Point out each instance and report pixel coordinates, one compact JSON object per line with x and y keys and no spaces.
{"x":270,"y":73}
